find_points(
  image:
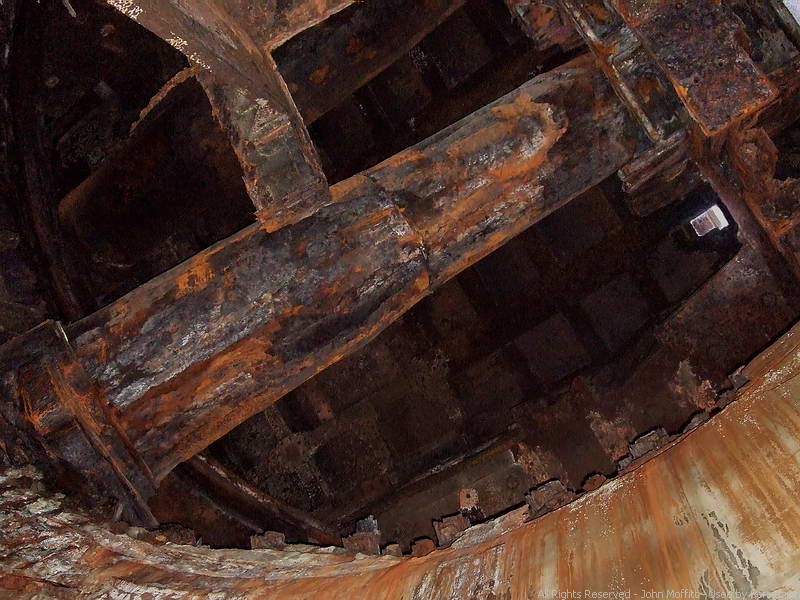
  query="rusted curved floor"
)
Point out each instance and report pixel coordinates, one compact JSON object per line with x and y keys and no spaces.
{"x":714,"y":513}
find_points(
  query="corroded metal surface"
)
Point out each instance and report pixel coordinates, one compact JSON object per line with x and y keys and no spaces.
{"x":59,"y":401}
{"x":754,"y":156}
{"x":638,"y":81}
{"x":186,"y":357}
{"x":714,"y":513}
{"x":273,"y":23}
{"x":326,"y":64}
{"x":282,"y":171}
{"x":544,"y":23}
{"x":697,"y":44}
{"x":474,"y":185}
{"x":202,"y":347}
{"x":773,"y":201}
{"x":327,"y":290}
{"x":250,"y":505}
{"x":642,"y":86}
{"x":190,"y":355}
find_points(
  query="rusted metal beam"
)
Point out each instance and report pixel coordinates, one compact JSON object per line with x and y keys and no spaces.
{"x":786,"y":110}
{"x":193,"y":353}
{"x":545,"y":23}
{"x":679,"y":521}
{"x":197,"y":350}
{"x":396,"y":232}
{"x":248,"y":504}
{"x":76,"y":430}
{"x":742,"y":172}
{"x":275,"y":23}
{"x":267,"y":22}
{"x":324,"y":65}
{"x":170,"y":180}
{"x":478,"y":183}
{"x":187,"y":357}
{"x":773,"y":202}
{"x":641,"y":85}
{"x":210,"y":38}
{"x":683,"y":70}
{"x":282,"y":171}
{"x":638,"y":81}
{"x":696,"y":43}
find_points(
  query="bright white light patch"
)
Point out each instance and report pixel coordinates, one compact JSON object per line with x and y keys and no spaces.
{"x":709,"y":220}
{"x":794,"y":8}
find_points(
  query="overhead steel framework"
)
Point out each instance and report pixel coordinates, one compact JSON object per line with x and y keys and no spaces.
{"x":144,"y":384}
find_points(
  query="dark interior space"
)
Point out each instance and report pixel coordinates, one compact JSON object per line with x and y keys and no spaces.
{"x":118,"y":193}
{"x":476,"y":55}
{"x":570,"y":352}
{"x":542,"y":360}
{"x":788,"y":145}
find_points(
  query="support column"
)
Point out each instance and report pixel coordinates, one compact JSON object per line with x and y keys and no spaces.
{"x":185,"y":358}
{"x":251,"y":102}
{"x":193,"y":353}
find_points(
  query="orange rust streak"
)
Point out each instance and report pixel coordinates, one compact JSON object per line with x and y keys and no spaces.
{"x":715,"y":512}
